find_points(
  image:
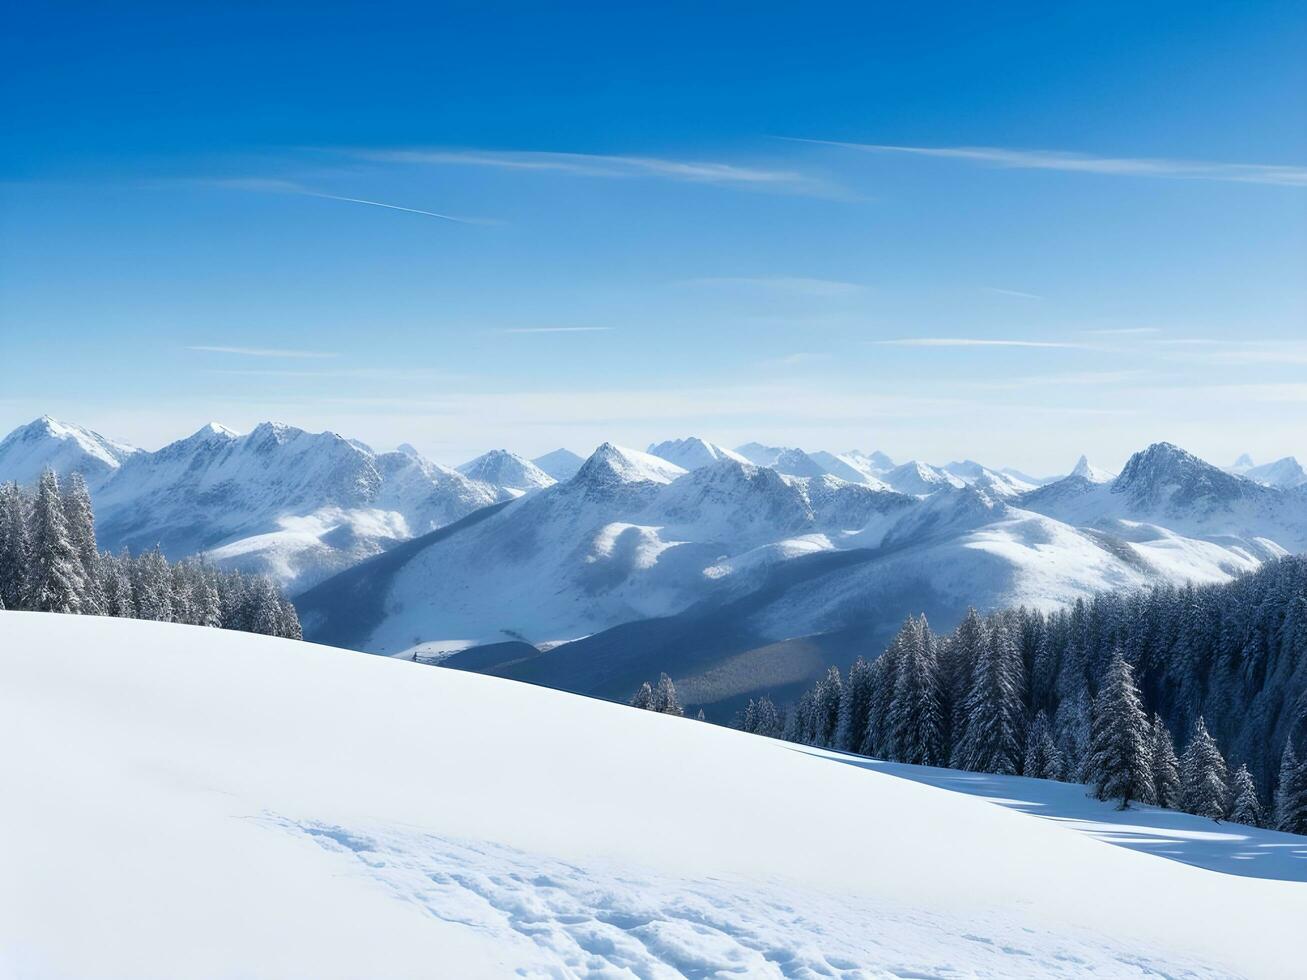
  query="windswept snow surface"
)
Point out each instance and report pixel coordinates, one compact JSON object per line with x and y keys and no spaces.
{"x":184,"y":802}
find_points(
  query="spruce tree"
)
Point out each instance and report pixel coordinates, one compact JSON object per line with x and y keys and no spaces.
{"x":665,"y":699}
{"x":643,"y":698}
{"x":55,"y":581}
{"x":1291,"y":793}
{"x":855,"y":706}
{"x":15,"y":547}
{"x":1203,"y":776}
{"x":1166,"y":768}
{"x":916,"y":729}
{"x":1245,"y":807}
{"x":1120,"y":741}
{"x":992,"y":739}
{"x":1042,"y":760}
{"x":80,"y":520}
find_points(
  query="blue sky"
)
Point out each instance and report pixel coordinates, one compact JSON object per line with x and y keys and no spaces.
{"x":1013,"y":231}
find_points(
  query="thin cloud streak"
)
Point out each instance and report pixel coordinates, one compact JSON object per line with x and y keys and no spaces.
{"x":602,"y":165}
{"x":977,"y":342}
{"x":261,"y":351}
{"x":1282,"y":175}
{"x":1011,"y":292}
{"x":786,"y":284}
{"x":274,"y":186}
{"x":525,"y":330}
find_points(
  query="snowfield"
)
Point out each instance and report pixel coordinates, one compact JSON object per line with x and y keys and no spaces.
{"x":183,"y":802}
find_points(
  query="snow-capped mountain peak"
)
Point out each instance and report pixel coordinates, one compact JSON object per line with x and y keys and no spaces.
{"x":917,"y":478}
{"x":1088,"y":471}
{"x":1243,"y":464}
{"x":611,"y":463}
{"x":61,"y":446}
{"x":1286,"y":473}
{"x":693,"y":452}
{"x":501,"y":468}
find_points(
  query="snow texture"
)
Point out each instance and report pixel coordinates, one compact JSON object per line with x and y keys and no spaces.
{"x":196,"y":802}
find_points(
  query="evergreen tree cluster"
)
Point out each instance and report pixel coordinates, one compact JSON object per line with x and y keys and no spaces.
{"x":49,"y":562}
{"x":661,"y":698}
{"x":1093,"y":694}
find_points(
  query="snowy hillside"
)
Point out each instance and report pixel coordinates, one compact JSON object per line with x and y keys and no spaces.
{"x":202,"y":803}
{"x":508,"y":471}
{"x":692,"y":452}
{"x":67,"y":448}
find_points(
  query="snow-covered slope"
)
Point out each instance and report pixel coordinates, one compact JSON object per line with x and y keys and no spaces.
{"x":853,"y":467}
{"x":918,"y":478}
{"x":561,"y":464}
{"x":692,"y":452}
{"x":188,"y":802}
{"x":974,"y":474}
{"x":508,"y":471}
{"x":61,"y":446}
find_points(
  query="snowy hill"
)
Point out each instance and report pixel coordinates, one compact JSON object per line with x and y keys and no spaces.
{"x":507,"y":471}
{"x":561,"y":464}
{"x":221,"y":804}
{"x":692,"y":452}
{"x":61,"y":446}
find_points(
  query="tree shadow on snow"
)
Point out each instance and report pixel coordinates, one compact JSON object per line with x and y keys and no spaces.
{"x":1229,"y":848}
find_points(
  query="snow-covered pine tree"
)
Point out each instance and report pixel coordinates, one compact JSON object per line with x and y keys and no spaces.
{"x":1043,"y":760}
{"x":916,"y":725}
{"x":992,"y":739}
{"x":152,"y":586}
{"x":855,"y":706}
{"x":55,"y":577}
{"x":1245,"y":807}
{"x":80,"y":520}
{"x":826,"y":707}
{"x":263,"y":613}
{"x":644,"y":697}
{"x":15,"y":547}
{"x":964,"y":650}
{"x":1166,"y":767}
{"x":207,"y":597}
{"x":1291,"y":793}
{"x":290,"y":620}
{"x":1203,"y":776}
{"x":665,"y":699}
{"x":1120,"y":741}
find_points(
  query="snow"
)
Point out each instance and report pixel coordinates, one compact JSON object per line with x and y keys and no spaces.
{"x":918,"y":478}
{"x":61,"y":446}
{"x":693,"y":452}
{"x":199,"y":803}
{"x":1286,"y":473}
{"x":1086,"y":470}
{"x":508,"y":471}
{"x":854,"y":467}
{"x":631,"y":465}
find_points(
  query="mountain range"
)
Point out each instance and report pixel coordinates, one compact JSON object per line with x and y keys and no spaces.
{"x":737,"y":571}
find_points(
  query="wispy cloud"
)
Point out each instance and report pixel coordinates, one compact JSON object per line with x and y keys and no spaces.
{"x":260,"y":351}
{"x":798,"y":359}
{"x":1010,"y":292}
{"x":1285,"y":175}
{"x":605,"y":165}
{"x":1122,"y":331}
{"x":785,"y":284}
{"x":275,"y":186}
{"x":979,"y":342}
{"x":553,"y":330}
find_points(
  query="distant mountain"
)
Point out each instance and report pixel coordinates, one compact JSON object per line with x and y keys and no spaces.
{"x":693,"y":452}
{"x":853,"y":467}
{"x":1242,"y":465}
{"x":974,"y":474}
{"x":561,"y":464}
{"x":758,"y":454}
{"x":745,"y":579}
{"x":61,"y":446}
{"x":918,"y":478}
{"x":508,"y":471}
{"x":296,"y":505}
{"x":1088,"y":471}
{"x":1286,"y":473}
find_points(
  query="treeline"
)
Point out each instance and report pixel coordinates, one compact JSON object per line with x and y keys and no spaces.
{"x":49,"y":562}
{"x":1095,"y":694}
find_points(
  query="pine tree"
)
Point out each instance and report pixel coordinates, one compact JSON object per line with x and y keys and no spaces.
{"x":1291,"y":793}
{"x":827,"y":697}
{"x":55,"y":582}
{"x":1245,"y":807}
{"x":290,"y":620}
{"x":915,"y":720}
{"x":1166,"y":768}
{"x":15,"y":547}
{"x":80,"y":520}
{"x":1203,"y":776}
{"x":992,"y":739}
{"x":855,"y":706}
{"x":1120,"y":741}
{"x":1043,"y":760}
{"x":1071,"y":724}
{"x":152,"y":587}
{"x":644,"y":697}
{"x":665,"y":699}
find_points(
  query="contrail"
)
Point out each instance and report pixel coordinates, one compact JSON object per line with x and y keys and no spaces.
{"x":382,"y":204}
